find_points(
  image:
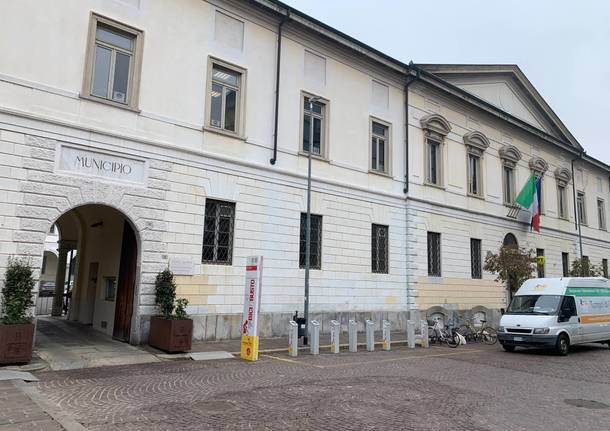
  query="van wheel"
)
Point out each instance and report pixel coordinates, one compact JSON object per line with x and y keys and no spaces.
{"x":508,"y":347}
{"x":563,"y":345}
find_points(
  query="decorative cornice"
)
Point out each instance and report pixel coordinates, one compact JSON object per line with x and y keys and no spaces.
{"x":476,"y":142}
{"x":563,"y":176}
{"x":510,"y":155}
{"x":538,"y":165}
{"x":435,"y":126}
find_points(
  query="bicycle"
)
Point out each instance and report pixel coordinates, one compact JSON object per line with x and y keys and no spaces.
{"x":485,"y":334}
{"x":437,"y":332}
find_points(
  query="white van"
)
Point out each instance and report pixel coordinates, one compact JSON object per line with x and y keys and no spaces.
{"x":557,"y":312}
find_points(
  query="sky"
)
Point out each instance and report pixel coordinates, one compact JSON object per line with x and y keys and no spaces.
{"x":563,"y":47}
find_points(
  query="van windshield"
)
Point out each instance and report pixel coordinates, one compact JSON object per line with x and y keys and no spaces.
{"x":534,"y":304}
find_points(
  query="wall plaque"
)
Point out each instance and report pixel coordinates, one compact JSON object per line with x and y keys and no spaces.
{"x":111,"y":166}
{"x":181,"y":265}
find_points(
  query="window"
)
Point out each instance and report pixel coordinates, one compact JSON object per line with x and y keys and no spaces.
{"x":225,"y":89}
{"x":218,"y":232}
{"x":433,"y":165}
{"x":475,"y":258}
{"x":541,"y":196}
{"x":379,"y":249}
{"x":44,"y":264}
{"x":109,"y":288}
{"x":565,"y":264}
{"x":113,"y":62}
{"x":315,"y":240}
{"x":509,"y":185}
{"x":601,"y":214}
{"x":474,"y":175}
{"x":562,"y":202}
{"x":568,"y":306}
{"x":605,"y":267}
{"x":380,"y":147}
{"x":581,"y":207}
{"x":540,"y":262}
{"x":586,"y":266}
{"x":434,"y":254}
{"x":316,"y":115}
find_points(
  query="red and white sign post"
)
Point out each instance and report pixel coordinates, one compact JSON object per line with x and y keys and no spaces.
{"x":252,"y":300}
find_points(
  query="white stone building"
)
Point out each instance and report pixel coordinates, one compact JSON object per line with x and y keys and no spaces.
{"x":159,"y":134}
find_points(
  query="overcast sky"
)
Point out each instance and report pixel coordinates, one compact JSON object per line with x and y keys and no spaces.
{"x":563,"y":47}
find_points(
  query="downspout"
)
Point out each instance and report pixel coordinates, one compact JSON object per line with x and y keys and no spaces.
{"x":576,"y":217}
{"x":410,"y":80}
{"x":277,"y":84}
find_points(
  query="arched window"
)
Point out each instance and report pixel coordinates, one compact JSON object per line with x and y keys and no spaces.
{"x":435,"y":129}
{"x":510,"y":240}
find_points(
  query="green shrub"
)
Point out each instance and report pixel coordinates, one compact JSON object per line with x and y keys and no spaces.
{"x":17,"y":293}
{"x":181,"y":308}
{"x":165,"y":296}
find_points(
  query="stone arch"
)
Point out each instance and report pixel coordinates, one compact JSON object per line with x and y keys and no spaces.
{"x":435,"y":126}
{"x":510,"y":155}
{"x":435,"y":311}
{"x":563,"y":176}
{"x":510,"y":240}
{"x":538,"y":166}
{"x":476,"y":142}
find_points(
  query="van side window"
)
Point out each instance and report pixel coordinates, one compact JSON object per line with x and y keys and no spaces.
{"x":569,"y":304}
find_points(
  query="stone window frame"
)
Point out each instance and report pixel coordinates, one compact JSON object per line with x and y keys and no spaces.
{"x":388,"y":146}
{"x":563,"y":176}
{"x":435,"y":128}
{"x":434,"y":254}
{"x":601,"y":217}
{"x":240,"y":113}
{"x":133,"y":89}
{"x":476,"y":145}
{"x":324,"y":139}
{"x":510,"y":157}
{"x":380,"y":247}
{"x":476,"y":258}
{"x":216,"y":205}
{"x":581,"y":219}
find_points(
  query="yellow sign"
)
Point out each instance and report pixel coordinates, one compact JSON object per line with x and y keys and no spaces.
{"x":249,"y":348}
{"x":540,"y":260}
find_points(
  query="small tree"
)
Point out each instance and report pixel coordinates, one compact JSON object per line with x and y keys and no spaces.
{"x":512,"y":266}
{"x":165,"y":296}
{"x":584,"y":268}
{"x":17,"y":293}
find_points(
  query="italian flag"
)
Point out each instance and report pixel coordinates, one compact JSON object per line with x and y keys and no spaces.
{"x":529,"y":198}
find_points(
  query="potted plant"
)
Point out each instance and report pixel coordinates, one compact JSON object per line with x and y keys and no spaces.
{"x":16,"y":327}
{"x":172,"y":331}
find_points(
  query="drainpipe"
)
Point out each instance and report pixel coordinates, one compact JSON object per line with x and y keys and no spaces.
{"x":410,"y":79}
{"x":576,"y":217}
{"x":277,"y":83}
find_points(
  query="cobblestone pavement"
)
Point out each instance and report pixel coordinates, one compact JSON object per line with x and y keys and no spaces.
{"x":469,"y":388}
{"x":20,"y":413}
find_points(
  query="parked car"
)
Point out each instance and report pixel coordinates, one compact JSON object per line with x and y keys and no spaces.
{"x":557,"y":313}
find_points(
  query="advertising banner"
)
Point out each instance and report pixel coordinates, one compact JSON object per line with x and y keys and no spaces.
{"x":252,"y":296}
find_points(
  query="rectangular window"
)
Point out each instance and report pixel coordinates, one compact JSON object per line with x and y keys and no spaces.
{"x":113,"y":62}
{"x":586,"y":266}
{"x":315,"y":241}
{"x":379,"y":147}
{"x":509,"y":185}
{"x":562,"y":202}
{"x":605,"y":267}
{"x":379,"y":249}
{"x":225,"y":97}
{"x":44,"y":264}
{"x":601,"y":214}
{"x":540,"y":262}
{"x":565,"y":264}
{"x":434,"y":254}
{"x":433,"y":162}
{"x":476,"y":269}
{"x":474,"y":175}
{"x":581,"y":208}
{"x":218,"y":232}
{"x":317,"y":115}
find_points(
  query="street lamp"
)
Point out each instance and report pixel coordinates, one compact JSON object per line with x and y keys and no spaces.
{"x":312,"y":100}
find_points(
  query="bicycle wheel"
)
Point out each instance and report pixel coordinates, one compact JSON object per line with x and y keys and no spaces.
{"x":465,"y":331}
{"x":452,"y":339}
{"x":489,"y":335}
{"x":432,"y":338}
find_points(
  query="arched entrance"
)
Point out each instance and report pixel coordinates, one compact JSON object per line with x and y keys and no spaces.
{"x":511,"y":285}
{"x":97,"y":288}
{"x":510,"y":240}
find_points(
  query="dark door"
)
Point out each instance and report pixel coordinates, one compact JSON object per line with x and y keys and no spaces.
{"x":125,"y":285}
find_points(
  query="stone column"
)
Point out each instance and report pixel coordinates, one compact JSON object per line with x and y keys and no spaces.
{"x":60,"y":278}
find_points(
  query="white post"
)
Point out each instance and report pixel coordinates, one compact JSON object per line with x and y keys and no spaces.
{"x":370,"y":335}
{"x":353,"y":336}
{"x":314,"y":348}
{"x":386,"y":326}
{"x":411,"y":334}
{"x":335,"y":333}
{"x":293,"y":338}
{"x":425,"y":342}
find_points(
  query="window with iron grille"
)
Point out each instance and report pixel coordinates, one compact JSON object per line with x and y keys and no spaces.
{"x":218,"y":232}
{"x":605,"y":267}
{"x":565,"y":264}
{"x":434,"y":254}
{"x":540,"y":264}
{"x":379,"y":249}
{"x":586,"y":266}
{"x":476,"y":269}
{"x":315,"y":251}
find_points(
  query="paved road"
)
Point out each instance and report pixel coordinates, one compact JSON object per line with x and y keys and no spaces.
{"x":468,"y":388}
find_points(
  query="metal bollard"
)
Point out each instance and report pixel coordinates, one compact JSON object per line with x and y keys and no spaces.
{"x":386,"y":326}
{"x":314,"y":348}
{"x":353,"y":336}
{"x":411,"y":334}
{"x":293,"y":338}
{"x":425,"y":342}
{"x":335,"y":334}
{"x":370,"y":335}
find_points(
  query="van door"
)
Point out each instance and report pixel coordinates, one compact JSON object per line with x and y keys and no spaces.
{"x":569,"y":319}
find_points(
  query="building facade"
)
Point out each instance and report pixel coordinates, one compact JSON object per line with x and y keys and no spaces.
{"x":156,"y":134}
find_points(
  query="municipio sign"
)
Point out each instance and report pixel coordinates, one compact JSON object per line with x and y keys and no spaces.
{"x":252,"y":299}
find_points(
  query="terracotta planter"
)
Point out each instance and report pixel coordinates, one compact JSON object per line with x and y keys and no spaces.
{"x":16,"y":343}
{"x":171,"y":335}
